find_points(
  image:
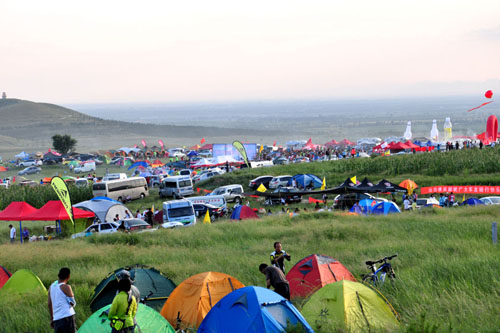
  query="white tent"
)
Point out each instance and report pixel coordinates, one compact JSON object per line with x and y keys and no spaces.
{"x":104,"y":210}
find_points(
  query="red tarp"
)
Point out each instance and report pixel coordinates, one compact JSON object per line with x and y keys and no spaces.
{"x":17,"y":211}
{"x":54,"y":210}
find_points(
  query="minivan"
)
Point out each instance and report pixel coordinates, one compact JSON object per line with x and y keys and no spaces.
{"x":232,"y":193}
{"x":176,"y":187}
{"x":179,"y":211}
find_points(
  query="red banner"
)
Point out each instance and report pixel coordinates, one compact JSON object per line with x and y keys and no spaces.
{"x":469,"y":189}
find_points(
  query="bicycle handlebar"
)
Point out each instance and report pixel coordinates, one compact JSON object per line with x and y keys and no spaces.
{"x":369,"y":263}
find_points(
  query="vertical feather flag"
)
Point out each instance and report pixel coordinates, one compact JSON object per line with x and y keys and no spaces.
{"x":202,"y":141}
{"x":206,"y":219}
{"x":261,"y":148}
{"x":323,"y":186}
{"x":62,"y":192}
{"x":160,"y":142}
{"x":243,"y":152}
{"x":144,"y":143}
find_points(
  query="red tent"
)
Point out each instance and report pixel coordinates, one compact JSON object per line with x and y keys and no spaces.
{"x":346,"y":142}
{"x":17,"y":211}
{"x":411,"y":145}
{"x":314,"y":272}
{"x":332,"y":143}
{"x":4,"y":276}
{"x":54,"y":211}
{"x":207,"y":146}
{"x":397,"y":146}
{"x":310,"y":145}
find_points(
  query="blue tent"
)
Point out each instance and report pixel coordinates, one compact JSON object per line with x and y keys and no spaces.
{"x":192,"y":153}
{"x":366,"y":206}
{"x":473,"y":202}
{"x":385,"y":207}
{"x":252,"y":309}
{"x":306,"y":180}
{"x":138,"y":164}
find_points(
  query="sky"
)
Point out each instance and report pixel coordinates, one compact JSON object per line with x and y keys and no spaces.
{"x":174,"y":51}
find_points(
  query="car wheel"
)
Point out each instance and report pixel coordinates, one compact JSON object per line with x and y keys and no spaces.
{"x":143,"y":195}
{"x":237,"y":200}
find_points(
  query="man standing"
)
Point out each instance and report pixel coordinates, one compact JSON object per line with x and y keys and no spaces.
{"x":276,"y":278}
{"x":61,"y":304}
{"x":278,"y":257}
{"x":12,"y":233}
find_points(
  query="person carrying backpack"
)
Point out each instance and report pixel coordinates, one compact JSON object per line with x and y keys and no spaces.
{"x":123,"y":309}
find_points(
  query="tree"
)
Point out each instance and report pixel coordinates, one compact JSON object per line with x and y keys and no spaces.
{"x":63,"y":143}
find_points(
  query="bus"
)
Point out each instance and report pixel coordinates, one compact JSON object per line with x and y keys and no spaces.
{"x":122,"y":189}
{"x":176,"y":187}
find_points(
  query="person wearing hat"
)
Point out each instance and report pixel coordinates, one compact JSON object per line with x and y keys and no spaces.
{"x":134,"y":291}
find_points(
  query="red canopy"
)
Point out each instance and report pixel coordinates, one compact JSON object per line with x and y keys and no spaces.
{"x":411,"y":145}
{"x":397,"y":146}
{"x":310,"y":145}
{"x":54,"y":210}
{"x":207,"y":146}
{"x":17,"y":211}
{"x":346,"y":142}
{"x":332,"y":143}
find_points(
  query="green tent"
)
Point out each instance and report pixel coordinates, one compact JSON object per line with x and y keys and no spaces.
{"x":147,"y":319}
{"x":23,"y":281}
{"x":152,"y":284}
{"x":349,"y":305}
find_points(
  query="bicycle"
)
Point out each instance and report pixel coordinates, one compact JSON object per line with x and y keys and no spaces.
{"x":377,"y":276}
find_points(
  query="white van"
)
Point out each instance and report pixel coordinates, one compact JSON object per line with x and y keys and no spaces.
{"x":114,"y":176}
{"x":214,"y":200}
{"x":179,"y":211}
{"x":176,"y":187}
{"x":85,"y":167}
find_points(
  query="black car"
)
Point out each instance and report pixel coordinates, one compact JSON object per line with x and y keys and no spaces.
{"x":264,"y":180}
{"x":346,"y":201}
{"x":133,"y":224}
{"x":288,"y":193}
{"x":200,"y":210}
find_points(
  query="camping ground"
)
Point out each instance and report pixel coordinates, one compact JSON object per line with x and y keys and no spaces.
{"x":447,"y":267}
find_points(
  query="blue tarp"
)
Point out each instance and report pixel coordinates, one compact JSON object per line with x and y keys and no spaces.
{"x":138,"y":164}
{"x":385,"y":207}
{"x":473,"y":202}
{"x":306,"y":180}
{"x":252,"y":309}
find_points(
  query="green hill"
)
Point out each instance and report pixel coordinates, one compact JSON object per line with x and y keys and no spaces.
{"x":29,"y":126}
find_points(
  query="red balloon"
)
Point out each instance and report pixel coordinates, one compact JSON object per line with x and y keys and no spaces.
{"x":488,"y":94}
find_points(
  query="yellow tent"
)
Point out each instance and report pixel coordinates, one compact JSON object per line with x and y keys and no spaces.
{"x":352,"y":306}
{"x":191,"y":300}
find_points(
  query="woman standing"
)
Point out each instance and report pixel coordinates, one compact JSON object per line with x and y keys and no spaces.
{"x":123,"y":309}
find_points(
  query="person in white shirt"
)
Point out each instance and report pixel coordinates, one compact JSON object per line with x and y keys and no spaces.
{"x":61,"y":303}
{"x":12,"y":233}
{"x":407,"y":204}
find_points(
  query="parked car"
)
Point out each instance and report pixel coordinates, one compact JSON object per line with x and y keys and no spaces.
{"x":134,"y":224}
{"x":346,"y":201}
{"x":232,"y":193}
{"x":301,"y":160}
{"x":422,"y":202}
{"x":288,"y":193}
{"x":280,"y":161}
{"x":98,"y":228}
{"x":28,"y":163}
{"x":200,"y":210}
{"x":279,"y":181}
{"x":30,"y":171}
{"x":255,"y":183}
{"x":490,"y":200}
{"x":85,"y":167}
{"x":205,"y":176}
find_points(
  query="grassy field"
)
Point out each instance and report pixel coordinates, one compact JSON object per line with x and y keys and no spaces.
{"x":447,"y":268}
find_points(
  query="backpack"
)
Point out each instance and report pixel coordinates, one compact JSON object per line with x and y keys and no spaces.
{"x":118,"y":323}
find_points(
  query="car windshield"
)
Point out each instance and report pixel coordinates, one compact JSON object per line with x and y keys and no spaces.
{"x":181,"y":211}
{"x":218,"y":191}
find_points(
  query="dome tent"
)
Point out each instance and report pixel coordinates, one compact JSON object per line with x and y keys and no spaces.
{"x":148,"y":320}
{"x":253,"y":309}
{"x":4,"y":275}
{"x":351,"y":306}
{"x":147,"y":279}
{"x":23,"y":281}
{"x":190,"y":302}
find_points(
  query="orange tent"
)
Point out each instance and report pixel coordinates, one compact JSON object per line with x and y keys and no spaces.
{"x":409,"y":184}
{"x":191,"y":300}
{"x":313,"y":272}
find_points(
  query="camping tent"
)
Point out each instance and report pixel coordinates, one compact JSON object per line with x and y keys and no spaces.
{"x":17,"y":211}
{"x":385,"y":207}
{"x":148,"y":320}
{"x":252,"y":309}
{"x":307,"y":180}
{"x":190,"y":302}
{"x":314,"y":272}
{"x":366,"y":206}
{"x":4,"y":275}
{"x":243,"y":213}
{"x":104,"y":210}
{"x":147,"y":279}
{"x":23,"y":281}
{"x":351,"y":306}
{"x":473,"y":202}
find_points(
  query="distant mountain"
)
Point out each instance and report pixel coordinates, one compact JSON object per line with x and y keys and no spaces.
{"x":29,"y":126}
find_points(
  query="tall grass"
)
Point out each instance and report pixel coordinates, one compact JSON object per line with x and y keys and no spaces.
{"x":447,"y":268}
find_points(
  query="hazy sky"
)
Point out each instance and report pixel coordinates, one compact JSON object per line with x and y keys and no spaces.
{"x":152,"y":51}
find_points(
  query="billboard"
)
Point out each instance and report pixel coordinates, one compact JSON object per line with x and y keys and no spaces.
{"x":227,"y":149}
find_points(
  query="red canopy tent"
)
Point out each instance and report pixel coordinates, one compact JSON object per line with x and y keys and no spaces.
{"x":411,"y":145}
{"x":54,"y":211}
{"x":207,"y":146}
{"x":332,"y":143}
{"x":346,"y":142}
{"x":17,"y":211}
{"x":397,"y":146}
{"x":310,"y":145}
